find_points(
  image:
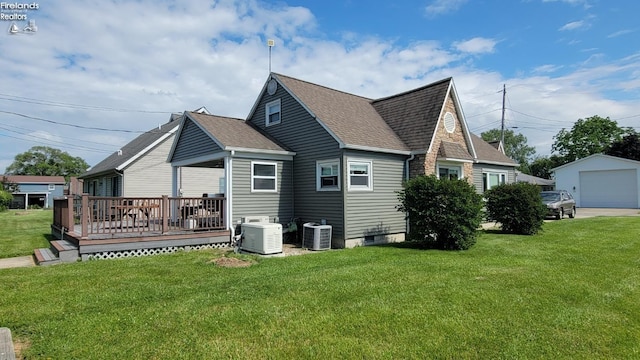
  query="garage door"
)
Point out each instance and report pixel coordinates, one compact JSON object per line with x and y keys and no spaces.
{"x":609,"y":189}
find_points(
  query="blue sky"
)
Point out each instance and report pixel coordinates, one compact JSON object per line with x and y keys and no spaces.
{"x":121,"y":67}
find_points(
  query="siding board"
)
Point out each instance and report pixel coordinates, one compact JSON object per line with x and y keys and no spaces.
{"x":374,"y":212}
{"x":301,"y":133}
{"x":193,"y":143}
{"x":247,"y":203}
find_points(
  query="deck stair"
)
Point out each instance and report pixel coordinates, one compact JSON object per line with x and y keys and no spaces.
{"x":59,"y":251}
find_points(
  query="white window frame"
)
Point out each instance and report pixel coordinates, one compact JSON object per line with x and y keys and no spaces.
{"x":503,"y":176}
{"x":267,"y":113}
{"x":274,"y":177}
{"x":369,"y":186}
{"x":458,"y":167}
{"x":327,"y":163}
{"x":52,"y":187}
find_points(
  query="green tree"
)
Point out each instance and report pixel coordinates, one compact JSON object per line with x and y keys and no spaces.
{"x":628,"y":147}
{"x":541,"y":166}
{"x":8,"y":186}
{"x":515,"y":146}
{"x":46,"y":161}
{"x":588,"y":136}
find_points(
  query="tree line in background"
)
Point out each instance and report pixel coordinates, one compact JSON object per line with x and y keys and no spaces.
{"x":593,"y":135}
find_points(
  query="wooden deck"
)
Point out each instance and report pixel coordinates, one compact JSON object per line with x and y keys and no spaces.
{"x":107,"y":227}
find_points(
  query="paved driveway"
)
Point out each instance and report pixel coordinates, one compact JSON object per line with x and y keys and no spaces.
{"x":591,"y":212}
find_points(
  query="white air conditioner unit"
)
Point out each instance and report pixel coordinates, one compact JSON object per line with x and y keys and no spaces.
{"x":316,"y":236}
{"x":262,"y":238}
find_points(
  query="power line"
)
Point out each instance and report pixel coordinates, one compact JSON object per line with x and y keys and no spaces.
{"x":60,"y":136}
{"x":74,"y":106}
{"x":50,"y":141}
{"x":74,"y":125}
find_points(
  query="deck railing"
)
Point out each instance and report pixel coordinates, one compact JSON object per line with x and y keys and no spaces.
{"x":118,"y":215}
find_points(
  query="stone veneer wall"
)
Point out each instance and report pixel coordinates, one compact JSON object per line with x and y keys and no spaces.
{"x":426,"y":164}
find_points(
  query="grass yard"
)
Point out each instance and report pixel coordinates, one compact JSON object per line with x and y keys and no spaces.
{"x":570,"y":292}
{"x":22,"y":231}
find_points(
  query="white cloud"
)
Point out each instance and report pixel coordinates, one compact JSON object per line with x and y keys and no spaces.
{"x":620,"y":33}
{"x":438,"y":7}
{"x":477,"y":45}
{"x":548,"y":68}
{"x":156,"y":59}
{"x":574,"y":25}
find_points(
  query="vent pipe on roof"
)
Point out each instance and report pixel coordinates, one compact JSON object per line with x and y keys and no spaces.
{"x":120,"y":152}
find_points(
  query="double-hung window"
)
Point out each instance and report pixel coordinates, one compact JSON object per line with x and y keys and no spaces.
{"x":272,"y":113}
{"x":360,"y":175}
{"x":328,"y":175}
{"x":264,"y":176}
{"x":449,"y":172}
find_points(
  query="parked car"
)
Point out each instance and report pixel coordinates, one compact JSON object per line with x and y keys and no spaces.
{"x":559,"y":203}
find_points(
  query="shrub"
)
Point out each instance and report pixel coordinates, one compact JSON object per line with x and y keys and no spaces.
{"x":5,"y":200}
{"x":443,"y":214}
{"x":517,"y":207}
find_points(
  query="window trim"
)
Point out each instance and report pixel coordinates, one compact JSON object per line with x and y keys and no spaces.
{"x":459,"y":167}
{"x":369,"y":164}
{"x":274,"y":177}
{"x":267,"y":118}
{"x":52,"y":187}
{"x":501,"y":173}
{"x":330,"y":162}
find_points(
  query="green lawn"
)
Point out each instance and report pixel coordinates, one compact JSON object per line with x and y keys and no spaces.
{"x":22,"y":231}
{"x":571,"y":292}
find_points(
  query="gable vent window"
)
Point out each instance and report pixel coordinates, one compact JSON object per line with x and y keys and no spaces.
{"x":449,"y":122}
{"x":272,"y":113}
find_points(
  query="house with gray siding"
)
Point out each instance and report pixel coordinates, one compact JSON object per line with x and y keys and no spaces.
{"x":318,"y":154}
{"x":140,"y":169}
{"x":491,"y":167}
{"x":34,"y":191}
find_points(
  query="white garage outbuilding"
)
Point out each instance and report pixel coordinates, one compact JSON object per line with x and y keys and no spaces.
{"x":601,"y":181}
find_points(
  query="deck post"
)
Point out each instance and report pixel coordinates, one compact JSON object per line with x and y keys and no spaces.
{"x":68,"y":217}
{"x":164,"y":212}
{"x":85,"y":216}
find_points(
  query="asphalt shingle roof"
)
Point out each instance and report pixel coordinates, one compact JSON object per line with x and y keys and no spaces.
{"x":351,"y":118}
{"x":34,"y":179}
{"x":413,"y":115}
{"x":487,"y":153}
{"x":451,"y":150}
{"x":234,"y":133}
{"x":131,"y":149}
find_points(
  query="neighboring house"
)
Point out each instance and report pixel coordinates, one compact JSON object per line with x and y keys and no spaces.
{"x":140,"y":169}
{"x":314,"y":153}
{"x":35,"y":191}
{"x":601,"y":181}
{"x":492,"y":167}
{"x":544,"y":184}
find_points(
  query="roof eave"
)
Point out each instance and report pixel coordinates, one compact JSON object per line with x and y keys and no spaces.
{"x":375,"y":149}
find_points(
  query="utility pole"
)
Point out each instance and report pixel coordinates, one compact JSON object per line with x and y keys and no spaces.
{"x":504,"y":95}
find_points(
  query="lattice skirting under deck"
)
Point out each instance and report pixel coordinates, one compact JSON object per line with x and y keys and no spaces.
{"x":146,"y":252}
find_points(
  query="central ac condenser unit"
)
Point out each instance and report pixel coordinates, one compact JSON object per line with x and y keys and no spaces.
{"x":262,"y":238}
{"x":316,"y":236}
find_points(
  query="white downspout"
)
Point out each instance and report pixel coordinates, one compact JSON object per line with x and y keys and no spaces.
{"x":406,"y":175}
{"x":228,"y":166}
